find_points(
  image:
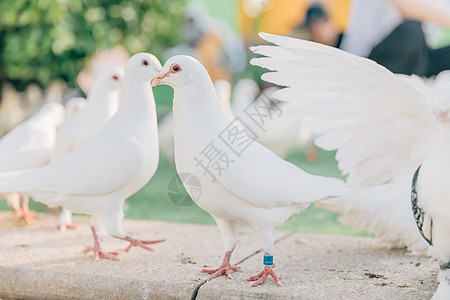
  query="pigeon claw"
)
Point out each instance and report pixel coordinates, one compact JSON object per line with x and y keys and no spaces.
{"x":223,"y":269}
{"x":140,"y":243}
{"x":24,"y":214}
{"x":99,"y":253}
{"x":261,"y":277}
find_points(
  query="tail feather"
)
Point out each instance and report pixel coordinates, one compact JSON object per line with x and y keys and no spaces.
{"x":384,"y":210}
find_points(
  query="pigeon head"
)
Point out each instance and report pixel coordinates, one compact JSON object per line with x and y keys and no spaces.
{"x":182,"y":71}
{"x":110,"y":78}
{"x":55,"y":111}
{"x":440,"y":96}
{"x":143,"y":66}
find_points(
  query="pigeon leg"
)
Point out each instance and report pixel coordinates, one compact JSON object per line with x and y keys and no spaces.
{"x":261,"y":277}
{"x":268,"y":262}
{"x":229,"y":237}
{"x":97,"y":250}
{"x":65,"y":220}
{"x":23,"y":212}
{"x":139,"y":243}
{"x":113,"y":225}
{"x":225,"y":267}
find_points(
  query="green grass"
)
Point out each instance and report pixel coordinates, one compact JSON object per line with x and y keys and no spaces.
{"x":152,"y":201}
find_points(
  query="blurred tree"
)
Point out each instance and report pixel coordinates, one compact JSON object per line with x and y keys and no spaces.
{"x":41,"y":40}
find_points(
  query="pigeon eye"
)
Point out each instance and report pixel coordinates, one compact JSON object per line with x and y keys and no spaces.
{"x":115,"y":77}
{"x":176,"y":68}
{"x":145,"y":62}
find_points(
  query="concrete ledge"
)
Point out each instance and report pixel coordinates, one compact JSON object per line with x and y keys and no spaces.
{"x":38,"y":262}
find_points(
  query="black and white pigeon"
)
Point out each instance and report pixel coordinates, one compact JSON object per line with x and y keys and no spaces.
{"x":383,"y":126}
{"x":430,"y":192}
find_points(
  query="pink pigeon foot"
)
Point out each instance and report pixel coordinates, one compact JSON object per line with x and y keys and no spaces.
{"x":261,"y":277}
{"x":97,"y":250}
{"x":23,"y":212}
{"x":224,"y":268}
{"x":139,"y":243}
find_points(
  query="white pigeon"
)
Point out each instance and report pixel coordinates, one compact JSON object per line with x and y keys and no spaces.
{"x":430,"y":190}
{"x":73,"y":105}
{"x":242,"y":182}
{"x":102,"y":103}
{"x":100,"y":174}
{"x":166,"y":127}
{"x":29,"y":145}
{"x":383,"y":127}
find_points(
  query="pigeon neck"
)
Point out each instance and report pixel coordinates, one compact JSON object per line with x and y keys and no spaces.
{"x":137,"y":100}
{"x":198,"y":102}
{"x":96,"y":95}
{"x":135,"y":93}
{"x":103,"y":103}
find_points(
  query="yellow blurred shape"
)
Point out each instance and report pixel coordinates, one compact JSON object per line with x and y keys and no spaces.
{"x":281,"y":16}
{"x":338,"y":11}
{"x":210,"y":51}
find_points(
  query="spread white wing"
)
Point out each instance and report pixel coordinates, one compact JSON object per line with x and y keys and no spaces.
{"x":380,"y":124}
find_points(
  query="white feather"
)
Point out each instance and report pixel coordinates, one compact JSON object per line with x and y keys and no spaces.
{"x":381,"y":125}
{"x":86,"y":118}
{"x":29,"y":144}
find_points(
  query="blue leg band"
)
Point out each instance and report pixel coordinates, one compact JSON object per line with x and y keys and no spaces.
{"x":268,"y":260}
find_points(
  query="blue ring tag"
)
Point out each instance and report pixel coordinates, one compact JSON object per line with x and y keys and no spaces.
{"x":268,"y":260}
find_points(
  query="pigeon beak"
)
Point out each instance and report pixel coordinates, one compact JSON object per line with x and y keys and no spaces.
{"x":157,"y":80}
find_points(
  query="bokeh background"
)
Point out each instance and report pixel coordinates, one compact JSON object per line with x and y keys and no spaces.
{"x":50,"y":50}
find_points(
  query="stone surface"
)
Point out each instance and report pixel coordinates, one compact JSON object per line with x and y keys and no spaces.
{"x":38,"y":262}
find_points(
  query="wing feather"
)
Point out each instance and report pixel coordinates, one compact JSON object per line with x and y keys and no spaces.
{"x":274,"y":182}
{"x":379,"y":123}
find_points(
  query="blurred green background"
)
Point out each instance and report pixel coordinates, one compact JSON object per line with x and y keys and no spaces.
{"x":47,"y":39}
